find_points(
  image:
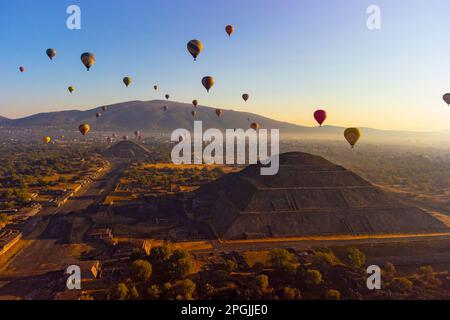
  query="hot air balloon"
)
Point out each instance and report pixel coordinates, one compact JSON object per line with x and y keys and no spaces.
{"x":88,"y":60}
{"x":229,"y":29}
{"x":51,"y":53}
{"x":155,"y":87}
{"x":104,"y":108}
{"x":219,"y":112}
{"x":193,"y":113}
{"x":320,"y":116}
{"x":47,"y":140}
{"x":245,"y":96}
{"x":84,"y":129}
{"x":208,"y":82}
{"x":71,"y":89}
{"x":98,"y":115}
{"x":254,"y":126}
{"x":22,"y":69}
{"x":195,"y":47}
{"x":195,"y":103}
{"x":352,"y":135}
{"x":127,"y":81}
{"x":446,"y":98}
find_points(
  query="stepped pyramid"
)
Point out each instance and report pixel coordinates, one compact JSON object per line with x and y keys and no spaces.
{"x":126,"y":150}
{"x":308,"y":196}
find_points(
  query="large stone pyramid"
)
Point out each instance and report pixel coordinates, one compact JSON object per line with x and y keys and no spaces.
{"x":308,"y":196}
{"x":126,"y":150}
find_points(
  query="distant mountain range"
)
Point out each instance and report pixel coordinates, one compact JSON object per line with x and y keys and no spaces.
{"x":3,"y":120}
{"x":150,"y":116}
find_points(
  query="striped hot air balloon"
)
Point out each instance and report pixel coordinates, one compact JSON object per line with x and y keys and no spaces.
{"x":352,"y":135}
{"x":88,"y":59}
{"x":208,"y":82}
{"x":195,"y":47}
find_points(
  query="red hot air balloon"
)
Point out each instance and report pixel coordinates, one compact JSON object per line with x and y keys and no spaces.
{"x":254,"y":126}
{"x":320,"y":116}
{"x":21,"y":69}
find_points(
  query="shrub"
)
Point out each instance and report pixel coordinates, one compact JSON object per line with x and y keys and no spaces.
{"x":356,"y":258}
{"x":333,"y":295}
{"x":141,"y":270}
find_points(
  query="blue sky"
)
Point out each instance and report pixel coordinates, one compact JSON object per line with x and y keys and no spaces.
{"x":291,"y":56}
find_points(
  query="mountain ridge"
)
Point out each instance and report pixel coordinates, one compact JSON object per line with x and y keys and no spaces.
{"x":149,"y":116}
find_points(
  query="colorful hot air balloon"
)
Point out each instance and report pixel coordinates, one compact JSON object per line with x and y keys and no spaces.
{"x":352,"y":135}
{"x":167,"y":96}
{"x":84,"y":129}
{"x":219,"y":112}
{"x":195,"y":47}
{"x":195,"y":103}
{"x":71,"y":89}
{"x":127,"y":81}
{"x":51,"y":53}
{"x":254,"y":126}
{"x":155,"y":87}
{"x":88,"y":60}
{"x":229,"y":30}
{"x":320,"y":116}
{"x":245,"y":96}
{"x":446,"y":98}
{"x":208,"y":82}
{"x":47,"y":140}
{"x":22,"y":69}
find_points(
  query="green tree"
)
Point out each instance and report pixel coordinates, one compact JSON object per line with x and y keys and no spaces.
{"x":332,"y":295}
{"x":187,"y":289}
{"x":119,"y":292}
{"x":180,"y":254}
{"x":289,"y":293}
{"x":133,"y":293}
{"x":184,"y":267}
{"x":356,"y":258}
{"x":401,"y":284}
{"x":154,"y":293}
{"x":313,"y":278}
{"x":230,"y":266}
{"x":141,"y":270}
{"x":262,"y":281}
{"x":160,"y":254}
{"x":389,"y":269}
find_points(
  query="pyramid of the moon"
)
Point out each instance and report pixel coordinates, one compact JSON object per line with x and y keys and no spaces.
{"x":126,"y":150}
{"x":308,"y":196}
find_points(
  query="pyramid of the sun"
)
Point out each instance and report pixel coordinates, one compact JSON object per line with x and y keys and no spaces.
{"x":308,"y":196}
